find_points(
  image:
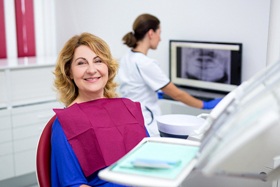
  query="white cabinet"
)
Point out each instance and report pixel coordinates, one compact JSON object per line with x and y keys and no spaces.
{"x":20,"y":129}
{"x":3,"y":89}
{"x":28,"y":123}
{"x":27,"y":98}
{"x":7,"y":166}
{"x":6,"y":145}
{"x":29,"y":85}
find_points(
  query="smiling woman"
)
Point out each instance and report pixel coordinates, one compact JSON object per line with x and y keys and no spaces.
{"x":95,"y":129}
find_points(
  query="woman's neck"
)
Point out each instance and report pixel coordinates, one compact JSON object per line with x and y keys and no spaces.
{"x":141,"y":47}
{"x":82,"y":99}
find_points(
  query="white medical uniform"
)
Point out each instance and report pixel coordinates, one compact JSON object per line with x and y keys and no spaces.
{"x":140,"y":77}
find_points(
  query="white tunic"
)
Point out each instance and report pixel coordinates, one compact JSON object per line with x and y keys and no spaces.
{"x":140,"y":77}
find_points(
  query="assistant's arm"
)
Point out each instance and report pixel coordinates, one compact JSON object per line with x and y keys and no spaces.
{"x":179,"y":95}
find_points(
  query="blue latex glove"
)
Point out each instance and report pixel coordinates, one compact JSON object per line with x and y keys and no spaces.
{"x":160,"y":94}
{"x":211,"y":104}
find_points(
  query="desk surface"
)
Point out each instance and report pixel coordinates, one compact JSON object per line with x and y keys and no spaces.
{"x":27,"y":62}
{"x":199,"y":94}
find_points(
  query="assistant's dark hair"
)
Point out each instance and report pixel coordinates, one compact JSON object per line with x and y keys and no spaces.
{"x":141,"y":26}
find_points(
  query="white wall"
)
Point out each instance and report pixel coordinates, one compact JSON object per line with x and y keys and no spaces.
{"x":10,"y":28}
{"x":226,"y":21}
{"x":44,"y":13}
{"x":45,"y":35}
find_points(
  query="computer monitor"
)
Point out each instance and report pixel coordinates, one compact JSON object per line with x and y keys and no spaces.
{"x":207,"y":66}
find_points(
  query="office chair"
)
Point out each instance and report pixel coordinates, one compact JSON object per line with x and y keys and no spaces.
{"x":43,"y":156}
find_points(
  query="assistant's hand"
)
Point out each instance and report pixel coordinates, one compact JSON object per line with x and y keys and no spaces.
{"x":211,"y":104}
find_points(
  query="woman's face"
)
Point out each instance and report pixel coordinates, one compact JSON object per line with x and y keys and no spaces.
{"x":155,"y":38}
{"x":89,"y":73}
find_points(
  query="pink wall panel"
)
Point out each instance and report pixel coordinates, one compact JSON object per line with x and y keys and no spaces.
{"x":25,"y":28}
{"x":3,"y":48}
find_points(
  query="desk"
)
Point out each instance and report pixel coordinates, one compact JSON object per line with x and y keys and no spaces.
{"x":176,"y":107}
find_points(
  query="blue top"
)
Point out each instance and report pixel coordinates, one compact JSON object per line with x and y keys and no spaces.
{"x":65,"y":168}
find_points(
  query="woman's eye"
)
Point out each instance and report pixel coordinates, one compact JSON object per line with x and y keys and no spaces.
{"x":81,"y":63}
{"x":98,"y":60}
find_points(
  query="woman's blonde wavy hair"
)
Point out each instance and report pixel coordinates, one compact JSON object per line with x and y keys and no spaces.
{"x":65,"y":86}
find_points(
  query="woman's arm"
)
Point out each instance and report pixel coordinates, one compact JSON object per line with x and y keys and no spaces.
{"x":65,"y":168}
{"x":179,"y":95}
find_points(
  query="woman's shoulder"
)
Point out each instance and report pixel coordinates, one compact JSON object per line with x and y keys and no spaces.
{"x":145,"y":61}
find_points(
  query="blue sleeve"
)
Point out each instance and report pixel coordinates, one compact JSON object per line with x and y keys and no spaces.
{"x":148,"y":135}
{"x":65,"y":168}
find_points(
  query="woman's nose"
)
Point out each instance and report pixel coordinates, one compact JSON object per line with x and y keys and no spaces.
{"x":91,"y":68}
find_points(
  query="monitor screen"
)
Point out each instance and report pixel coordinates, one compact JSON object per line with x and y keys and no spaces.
{"x":212,"y":66}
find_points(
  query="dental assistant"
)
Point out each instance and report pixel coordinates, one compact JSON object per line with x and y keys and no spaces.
{"x":140,"y":77}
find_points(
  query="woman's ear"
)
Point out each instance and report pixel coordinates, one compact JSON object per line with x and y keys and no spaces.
{"x":150,"y":33}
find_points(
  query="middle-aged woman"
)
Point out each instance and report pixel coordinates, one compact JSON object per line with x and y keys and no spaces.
{"x":140,"y":77}
{"x":95,"y":129}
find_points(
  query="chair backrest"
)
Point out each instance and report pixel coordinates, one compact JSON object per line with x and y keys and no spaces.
{"x":43,"y":156}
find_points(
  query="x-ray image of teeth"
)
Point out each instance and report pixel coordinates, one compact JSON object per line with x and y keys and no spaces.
{"x":206,"y":64}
